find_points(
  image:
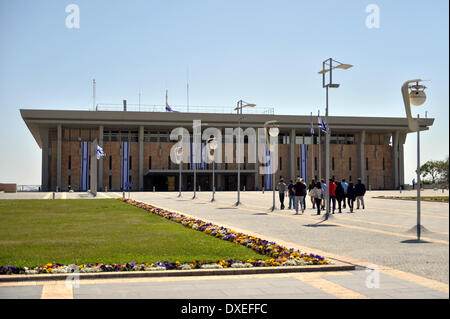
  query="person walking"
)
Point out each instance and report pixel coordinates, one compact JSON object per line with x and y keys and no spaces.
{"x":304,"y":193}
{"x":318,"y":196}
{"x":351,"y":196}
{"x":281,"y":190}
{"x":324,"y":189}
{"x":413,"y":182}
{"x":344,"y":186}
{"x":360,"y":191}
{"x":291,"y":194}
{"x":340,"y":195}
{"x":332,"y":197}
{"x":310,"y":188}
{"x":299,"y":195}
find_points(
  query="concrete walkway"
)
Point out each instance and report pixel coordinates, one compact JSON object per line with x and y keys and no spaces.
{"x":391,"y":264}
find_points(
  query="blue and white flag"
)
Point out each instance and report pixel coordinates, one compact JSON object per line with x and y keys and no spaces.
{"x":203,"y":164}
{"x":268,"y":176}
{"x":125,"y":165}
{"x":168,"y":108}
{"x":84,"y":166}
{"x":323,"y":125}
{"x":303,"y":155}
{"x":100,"y":152}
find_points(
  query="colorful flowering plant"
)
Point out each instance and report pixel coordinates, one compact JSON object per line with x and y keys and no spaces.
{"x":280,"y":256}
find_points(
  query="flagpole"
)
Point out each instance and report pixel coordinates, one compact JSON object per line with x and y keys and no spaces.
{"x":187,"y":90}
{"x":312,"y":150}
{"x":320,"y":167}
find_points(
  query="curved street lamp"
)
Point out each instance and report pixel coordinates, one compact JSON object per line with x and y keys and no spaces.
{"x":327,"y":66}
{"x":179,"y":154}
{"x":240,"y":106}
{"x":272,"y":131}
{"x":212,"y":145}
{"x":416,"y":97}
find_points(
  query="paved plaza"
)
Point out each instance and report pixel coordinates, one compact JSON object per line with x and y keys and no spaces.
{"x":377,"y":238}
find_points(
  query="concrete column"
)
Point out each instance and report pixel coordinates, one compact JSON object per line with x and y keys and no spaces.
{"x":362,"y":168}
{"x":257,"y":164}
{"x":395,"y":138}
{"x":401,"y":158}
{"x":100,"y":161}
{"x":292,"y":154}
{"x":141,"y":158}
{"x":58,"y":157}
{"x":43,"y":132}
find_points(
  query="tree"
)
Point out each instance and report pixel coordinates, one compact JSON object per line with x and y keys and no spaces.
{"x":443,"y":171}
{"x":437,"y":170}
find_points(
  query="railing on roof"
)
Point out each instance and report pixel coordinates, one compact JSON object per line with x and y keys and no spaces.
{"x":184,"y":109}
{"x":28,"y":188}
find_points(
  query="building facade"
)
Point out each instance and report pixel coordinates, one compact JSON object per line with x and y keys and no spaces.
{"x":370,"y":148}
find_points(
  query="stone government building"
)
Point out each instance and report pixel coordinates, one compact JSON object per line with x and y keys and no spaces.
{"x":370,"y":148}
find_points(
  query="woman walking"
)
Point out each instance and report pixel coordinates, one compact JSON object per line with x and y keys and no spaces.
{"x":310,"y":188}
{"x":318,"y":196}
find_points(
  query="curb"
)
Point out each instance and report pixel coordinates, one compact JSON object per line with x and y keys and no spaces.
{"x":338,"y":266}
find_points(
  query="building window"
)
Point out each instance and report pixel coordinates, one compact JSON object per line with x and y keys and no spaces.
{"x":383,"y":164}
{"x":245,"y":163}
{"x":367,"y":163}
{"x":298,"y":163}
{"x":169,"y":162}
{"x":110,"y":162}
{"x":332,"y":163}
{"x":349,"y":163}
{"x":149,"y":162}
{"x":281,"y":162}
{"x":110,"y":182}
{"x":130,"y":161}
{"x":315,"y":163}
{"x":69,"y":181}
{"x":350,"y":178}
{"x":70,"y":163}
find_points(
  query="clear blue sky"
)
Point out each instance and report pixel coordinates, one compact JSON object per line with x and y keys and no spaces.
{"x":266,"y":52}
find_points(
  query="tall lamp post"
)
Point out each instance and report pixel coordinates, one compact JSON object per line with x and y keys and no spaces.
{"x":416,"y":97}
{"x":212,"y":145}
{"x":327,"y":66}
{"x":239,"y":107}
{"x":179,"y":153}
{"x":196,"y":126}
{"x":273,"y":131}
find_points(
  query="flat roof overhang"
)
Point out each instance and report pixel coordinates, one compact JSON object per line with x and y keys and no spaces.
{"x":36,"y":119}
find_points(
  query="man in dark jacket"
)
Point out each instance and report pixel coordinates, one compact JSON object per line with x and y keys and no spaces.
{"x":291,"y":194}
{"x":360,"y":191}
{"x":340,"y":195}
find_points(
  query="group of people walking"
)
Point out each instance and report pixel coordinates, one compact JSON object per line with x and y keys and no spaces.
{"x":341,"y":192}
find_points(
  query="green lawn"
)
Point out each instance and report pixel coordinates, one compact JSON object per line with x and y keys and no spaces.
{"x":37,"y":232}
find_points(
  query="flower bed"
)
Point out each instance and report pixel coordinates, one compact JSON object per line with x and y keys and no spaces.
{"x":280,"y":256}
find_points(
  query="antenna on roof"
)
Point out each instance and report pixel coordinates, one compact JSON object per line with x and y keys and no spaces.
{"x":93,"y":95}
{"x":187,"y":89}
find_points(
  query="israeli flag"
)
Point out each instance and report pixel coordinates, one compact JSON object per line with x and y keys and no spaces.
{"x":100,"y":152}
{"x":323,"y":125}
{"x":168,"y":108}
